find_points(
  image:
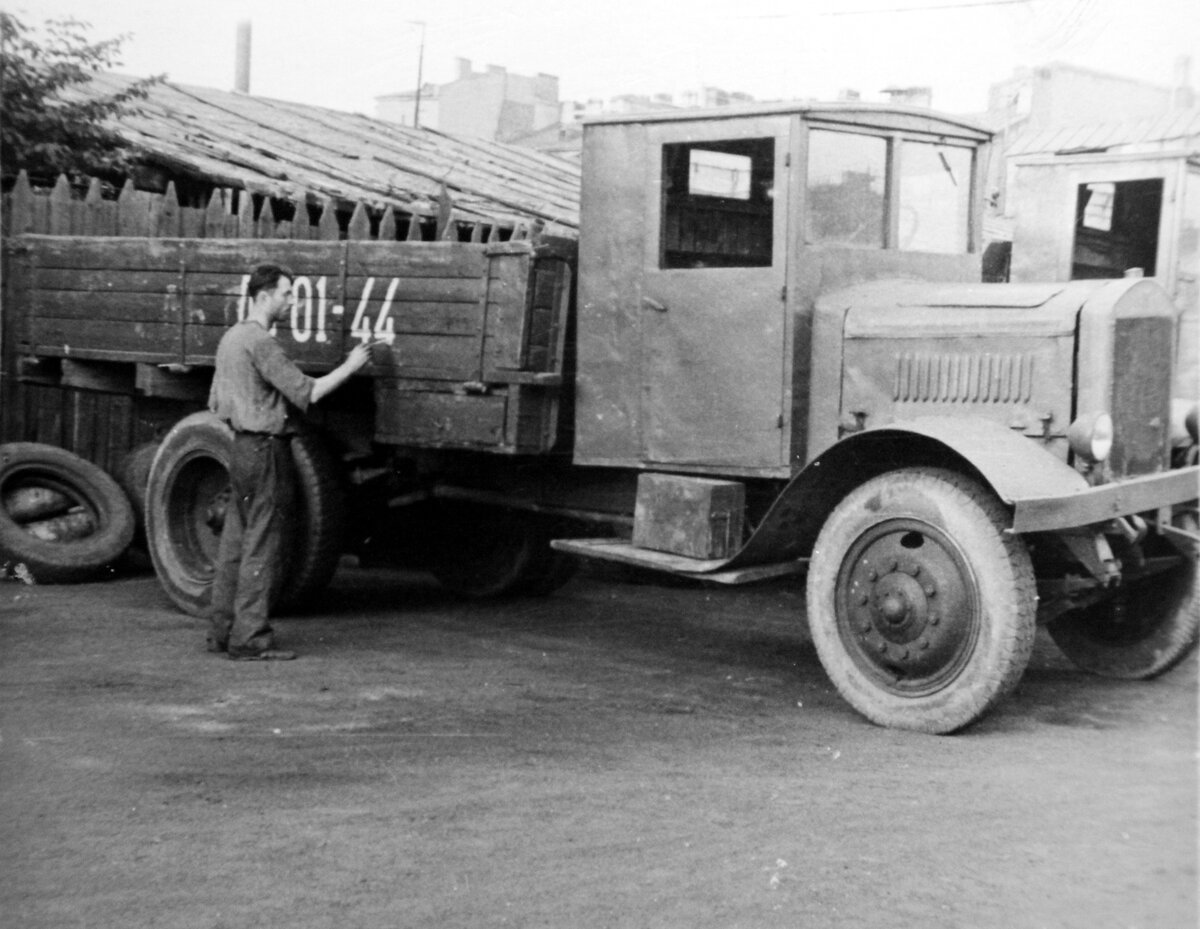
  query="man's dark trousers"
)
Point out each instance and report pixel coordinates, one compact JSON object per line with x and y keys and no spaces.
{"x":248,"y":558}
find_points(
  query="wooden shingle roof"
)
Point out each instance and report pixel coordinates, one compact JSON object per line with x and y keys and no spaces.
{"x":294,"y":151}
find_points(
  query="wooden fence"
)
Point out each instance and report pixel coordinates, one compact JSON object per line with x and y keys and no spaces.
{"x":233,"y":214}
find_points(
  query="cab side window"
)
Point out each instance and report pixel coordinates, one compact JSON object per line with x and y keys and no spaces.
{"x":718,"y":204}
{"x":847,"y":189}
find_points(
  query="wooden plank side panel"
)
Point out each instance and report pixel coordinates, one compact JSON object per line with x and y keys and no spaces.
{"x":416,"y":259}
{"x":532,"y":415}
{"x":114,"y":307}
{"x":102,"y":338}
{"x":507,"y":311}
{"x":225,"y":256}
{"x":438,"y":420}
{"x":97,"y":281}
{"x":437,"y":357}
{"x":103,"y":253}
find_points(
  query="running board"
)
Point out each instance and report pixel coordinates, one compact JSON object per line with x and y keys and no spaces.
{"x":625,"y":552}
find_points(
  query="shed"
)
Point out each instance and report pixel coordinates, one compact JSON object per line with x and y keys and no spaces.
{"x":202,"y":138}
{"x":1104,"y":200}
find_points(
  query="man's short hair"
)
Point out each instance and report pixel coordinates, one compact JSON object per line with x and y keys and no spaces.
{"x":266,"y":277}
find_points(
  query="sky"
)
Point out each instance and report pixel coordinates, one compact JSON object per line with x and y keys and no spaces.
{"x":344,"y":54}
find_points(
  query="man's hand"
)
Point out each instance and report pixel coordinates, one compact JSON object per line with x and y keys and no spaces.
{"x":355,"y":361}
{"x":359,"y":356}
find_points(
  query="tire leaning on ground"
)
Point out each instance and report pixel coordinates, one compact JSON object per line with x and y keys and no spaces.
{"x":922,"y":610}
{"x":134,"y":474}
{"x":75,"y":520}
{"x":186,"y":497}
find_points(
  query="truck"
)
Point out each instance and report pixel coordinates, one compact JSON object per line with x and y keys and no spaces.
{"x":769,"y":353}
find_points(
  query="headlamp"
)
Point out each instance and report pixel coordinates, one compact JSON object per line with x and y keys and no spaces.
{"x":1091,"y":437}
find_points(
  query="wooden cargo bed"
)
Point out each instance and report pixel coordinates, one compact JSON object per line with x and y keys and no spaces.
{"x":476,"y":356}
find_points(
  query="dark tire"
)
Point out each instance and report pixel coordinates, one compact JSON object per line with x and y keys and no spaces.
{"x":134,"y":475}
{"x":922,"y":610}
{"x":319,"y":521}
{"x":487,"y":552}
{"x":91,"y":494}
{"x":1145,"y":628}
{"x":185,"y":501}
{"x":551,"y":569}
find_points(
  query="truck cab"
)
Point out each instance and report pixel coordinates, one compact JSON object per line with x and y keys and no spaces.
{"x":706,"y":239}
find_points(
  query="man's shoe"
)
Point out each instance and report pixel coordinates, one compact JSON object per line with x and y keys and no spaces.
{"x":266,"y":654}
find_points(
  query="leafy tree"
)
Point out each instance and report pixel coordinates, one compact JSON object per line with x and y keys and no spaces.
{"x":45,"y":126}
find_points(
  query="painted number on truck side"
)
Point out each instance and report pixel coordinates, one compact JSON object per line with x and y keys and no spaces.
{"x":311,"y":311}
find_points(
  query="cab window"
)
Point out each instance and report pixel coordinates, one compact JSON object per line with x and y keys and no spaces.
{"x":718,"y":204}
{"x":847,"y":189}
{"x":935,"y":198}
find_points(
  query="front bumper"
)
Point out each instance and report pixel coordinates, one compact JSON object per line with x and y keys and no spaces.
{"x":1099,"y":504}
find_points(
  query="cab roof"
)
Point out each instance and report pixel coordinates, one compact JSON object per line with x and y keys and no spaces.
{"x":880,"y":115}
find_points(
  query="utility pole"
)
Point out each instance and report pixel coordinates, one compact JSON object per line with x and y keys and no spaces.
{"x":420,"y":65}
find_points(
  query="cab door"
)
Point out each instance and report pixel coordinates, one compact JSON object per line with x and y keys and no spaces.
{"x":713,"y":322}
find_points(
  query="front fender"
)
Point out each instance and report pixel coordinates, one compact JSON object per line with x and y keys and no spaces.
{"x":1044,"y":493}
{"x":1013,"y":466}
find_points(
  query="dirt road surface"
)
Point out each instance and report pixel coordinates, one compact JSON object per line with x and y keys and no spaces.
{"x":619,"y":754}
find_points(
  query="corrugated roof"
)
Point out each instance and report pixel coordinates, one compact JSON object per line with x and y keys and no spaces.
{"x":292,"y":150}
{"x":1177,"y":130}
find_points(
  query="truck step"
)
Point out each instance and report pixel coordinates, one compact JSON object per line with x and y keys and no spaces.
{"x":626,"y":552}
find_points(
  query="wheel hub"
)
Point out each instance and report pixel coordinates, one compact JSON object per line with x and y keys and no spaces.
{"x":907,"y":605}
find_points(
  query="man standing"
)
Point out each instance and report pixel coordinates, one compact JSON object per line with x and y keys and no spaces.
{"x":254,"y":388}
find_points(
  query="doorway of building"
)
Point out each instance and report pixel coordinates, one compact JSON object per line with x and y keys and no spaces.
{"x":1116,"y":228}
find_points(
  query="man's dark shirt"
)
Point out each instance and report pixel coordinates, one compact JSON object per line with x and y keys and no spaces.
{"x":255,"y":380}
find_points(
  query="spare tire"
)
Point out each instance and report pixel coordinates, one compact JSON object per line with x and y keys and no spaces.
{"x":186,"y":497}
{"x":133,"y":476}
{"x":61,"y":516}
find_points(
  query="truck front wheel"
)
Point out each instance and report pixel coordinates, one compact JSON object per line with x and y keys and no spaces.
{"x":921,"y":609}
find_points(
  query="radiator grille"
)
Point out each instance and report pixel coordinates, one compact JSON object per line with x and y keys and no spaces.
{"x":964,"y":378}
{"x":1141,"y":397}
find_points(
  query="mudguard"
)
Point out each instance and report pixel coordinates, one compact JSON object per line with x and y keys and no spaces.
{"x":1045,"y":493}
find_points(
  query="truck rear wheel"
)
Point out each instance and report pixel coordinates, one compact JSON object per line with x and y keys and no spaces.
{"x":921,"y":609}
{"x":491,"y":552}
{"x":186,"y":497}
{"x":1143,"y":629}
